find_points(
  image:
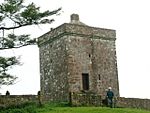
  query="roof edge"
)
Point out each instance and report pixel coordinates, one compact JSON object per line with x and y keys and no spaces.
{"x":68,"y":28}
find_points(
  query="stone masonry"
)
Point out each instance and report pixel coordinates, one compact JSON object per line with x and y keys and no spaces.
{"x":75,"y":57}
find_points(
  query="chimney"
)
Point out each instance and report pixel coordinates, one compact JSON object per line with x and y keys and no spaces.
{"x":74,"y":18}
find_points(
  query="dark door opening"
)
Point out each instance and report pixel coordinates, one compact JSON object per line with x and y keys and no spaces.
{"x":85,"y":81}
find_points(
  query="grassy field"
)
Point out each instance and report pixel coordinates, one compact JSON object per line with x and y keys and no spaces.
{"x":91,"y":110}
{"x":49,"y":108}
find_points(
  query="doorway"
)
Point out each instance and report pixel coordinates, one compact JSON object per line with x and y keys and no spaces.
{"x":85,"y":81}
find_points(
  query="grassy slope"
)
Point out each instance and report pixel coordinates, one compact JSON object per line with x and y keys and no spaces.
{"x":64,"y":108}
{"x":90,"y":110}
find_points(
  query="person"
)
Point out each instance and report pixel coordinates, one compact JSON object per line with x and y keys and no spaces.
{"x":110,"y":96}
{"x":7,"y":93}
{"x":39,"y":98}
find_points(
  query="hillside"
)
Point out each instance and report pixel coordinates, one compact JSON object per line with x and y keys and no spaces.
{"x":63,"y":108}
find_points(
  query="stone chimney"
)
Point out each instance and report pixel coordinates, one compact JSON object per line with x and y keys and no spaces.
{"x":74,"y":18}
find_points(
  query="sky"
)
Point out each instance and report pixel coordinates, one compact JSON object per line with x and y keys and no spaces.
{"x":130,"y":19}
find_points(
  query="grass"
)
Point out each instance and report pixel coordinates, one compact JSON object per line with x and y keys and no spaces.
{"x":90,"y":110}
{"x":99,"y":110}
{"x":64,"y":108}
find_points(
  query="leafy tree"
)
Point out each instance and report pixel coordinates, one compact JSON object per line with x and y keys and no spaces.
{"x":19,"y":15}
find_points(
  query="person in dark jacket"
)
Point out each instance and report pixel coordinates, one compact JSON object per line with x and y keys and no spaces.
{"x":110,"y":96}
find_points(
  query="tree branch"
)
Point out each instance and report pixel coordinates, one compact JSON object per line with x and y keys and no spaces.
{"x":16,"y":47}
{"x":13,"y":19}
{"x":15,"y":27}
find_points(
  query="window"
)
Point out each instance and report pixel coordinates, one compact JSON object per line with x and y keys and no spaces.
{"x":51,"y":61}
{"x":85,"y":81}
{"x":89,"y":55}
{"x":99,"y":77}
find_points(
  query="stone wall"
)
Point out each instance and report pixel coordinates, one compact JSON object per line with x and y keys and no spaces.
{"x":91,"y":99}
{"x":78,"y":99}
{"x":53,"y":69}
{"x":10,"y":100}
{"x":85,"y":99}
{"x":133,"y":103}
{"x":97,"y":57}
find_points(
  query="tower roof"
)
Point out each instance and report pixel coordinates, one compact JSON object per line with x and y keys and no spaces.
{"x":75,"y":27}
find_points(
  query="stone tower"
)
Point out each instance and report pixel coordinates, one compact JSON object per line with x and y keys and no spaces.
{"x":75,"y":57}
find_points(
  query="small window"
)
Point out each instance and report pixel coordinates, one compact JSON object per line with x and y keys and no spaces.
{"x":89,"y":55}
{"x":99,"y":77}
{"x":85,"y":81}
{"x":51,"y":60}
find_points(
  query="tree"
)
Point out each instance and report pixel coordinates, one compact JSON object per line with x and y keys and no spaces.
{"x":20,"y":15}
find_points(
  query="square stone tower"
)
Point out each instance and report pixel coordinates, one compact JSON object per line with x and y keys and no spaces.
{"x":75,"y":57}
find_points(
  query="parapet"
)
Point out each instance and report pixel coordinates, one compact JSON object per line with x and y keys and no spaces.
{"x":75,"y":27}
